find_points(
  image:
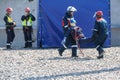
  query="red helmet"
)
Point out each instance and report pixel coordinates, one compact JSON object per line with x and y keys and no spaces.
{"x":99,"y":13}
{"x":27,"y":9}
{"x":9,"y":9}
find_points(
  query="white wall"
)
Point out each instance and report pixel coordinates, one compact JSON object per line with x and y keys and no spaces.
{"x":18,"y":41}
{"x":115,"y":13}
{"x":18,"y":7}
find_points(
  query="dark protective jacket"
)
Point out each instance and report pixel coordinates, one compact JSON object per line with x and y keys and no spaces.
{"x":66,"y":21}
{"x":7,"y":21}
{"x":100,"y":30}
{"x":100,"y":33}
{"x":100,"y":27}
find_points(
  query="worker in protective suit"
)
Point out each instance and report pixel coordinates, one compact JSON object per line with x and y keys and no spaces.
{"x":27,"y":21}
{"x":100,"y":33}
{"x":10,"y":24}
{"x":69,"y":23}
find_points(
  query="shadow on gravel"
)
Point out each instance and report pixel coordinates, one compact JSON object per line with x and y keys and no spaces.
{"x":22,"y":48}
{"x":73,"y":74}
{"x":68,"y":58}
{"x":33,"y":48}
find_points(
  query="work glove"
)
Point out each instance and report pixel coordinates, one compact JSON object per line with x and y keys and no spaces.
{"x":14,"y":24}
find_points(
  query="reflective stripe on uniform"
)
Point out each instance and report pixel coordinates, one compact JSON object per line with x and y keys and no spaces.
{"x":94,"y":29}
{"x":97,"y":46}
{"x":74,"y":46}
{"x":64,"y":45}
{"x":29,"y":41}
{"x":66,"y":26}
{"x":8,"y":44}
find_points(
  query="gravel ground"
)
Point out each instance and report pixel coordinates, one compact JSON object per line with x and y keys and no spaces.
{"x":46,"y":64}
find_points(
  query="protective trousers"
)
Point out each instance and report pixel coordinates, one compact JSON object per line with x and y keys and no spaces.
{"x":27,"y":36}
{"x":10,"y":37}
{"x":72,"y":42}
{"x":99,"y":43}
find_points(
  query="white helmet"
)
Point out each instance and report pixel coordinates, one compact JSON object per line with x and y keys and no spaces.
{"x":71,"y":8}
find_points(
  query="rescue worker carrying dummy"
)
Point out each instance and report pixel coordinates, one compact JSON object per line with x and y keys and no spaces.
{"x":69,"y":27}
{"x":10,"y":24}
{"x":100,"y":33}
{"x":27,"y":20}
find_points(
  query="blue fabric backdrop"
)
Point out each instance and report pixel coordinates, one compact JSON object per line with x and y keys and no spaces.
{"x":50,"y":15}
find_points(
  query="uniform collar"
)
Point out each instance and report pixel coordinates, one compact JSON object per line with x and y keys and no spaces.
{"x":99,"y":19}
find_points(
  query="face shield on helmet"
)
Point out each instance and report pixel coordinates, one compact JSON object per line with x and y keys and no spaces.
{"x":71,"y":9}
{"x":98,"y":14}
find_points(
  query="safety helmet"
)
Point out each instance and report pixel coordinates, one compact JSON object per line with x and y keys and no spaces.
{"x":9,"y":9}
{"x":27,"y":9}
{"x":71,"y":8}
{"x":99,"y":13}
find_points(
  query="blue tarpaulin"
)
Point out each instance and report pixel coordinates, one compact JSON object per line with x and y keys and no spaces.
{"x":50,"y":13}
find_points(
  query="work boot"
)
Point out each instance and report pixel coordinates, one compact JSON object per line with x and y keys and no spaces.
{"x":8,"y":47}
{"x":100,"y":55}
{"x":100,"y":51}
{"x":74,"y":52}
{"x":61,"y":50}
{"x":30,"y":44}
{"x":26,"y":45}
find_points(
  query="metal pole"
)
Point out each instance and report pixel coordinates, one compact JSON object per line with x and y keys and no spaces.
{"x":39,"y":30}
